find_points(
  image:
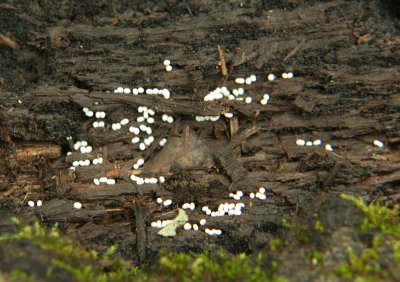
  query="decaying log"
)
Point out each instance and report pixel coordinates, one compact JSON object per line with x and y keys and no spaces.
{"x":345,"y":92}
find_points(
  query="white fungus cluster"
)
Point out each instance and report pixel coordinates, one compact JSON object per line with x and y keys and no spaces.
{"x":104,"y":180}
{"x":161,"y":223}
{"x":217,"y":94}
{"x":318,"y":142}
{"x":187,"y":226}
{"x":301,"y":142}
{"x":97,"y":161}
{"x":249,"y":80}
{"x":189,"y":206}
{"x":287,"y":75}
{"x":167,"y":118}
{"x":260,"y":194}
{"x":206,"y":118}
{"x":39,"y":203}
{"x":88,"y":112}
{"x":144,"y":180}
{"x":224,"y":209}
{"x":138,"y":164}
{"x":167,"y":64}
{"x":141,"y":129}
{"x":81,"y":163}
{"x":163,"y":142}
{"x":265,"y":99}
{"x":237,"y":196}
{"x":140,"y":90}
{"x":213,"y":231}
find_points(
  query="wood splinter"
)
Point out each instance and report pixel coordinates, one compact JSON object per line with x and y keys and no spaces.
{"x":221,"y":62}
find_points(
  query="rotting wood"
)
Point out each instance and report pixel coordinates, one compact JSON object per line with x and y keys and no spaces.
{"x":343,"y":93}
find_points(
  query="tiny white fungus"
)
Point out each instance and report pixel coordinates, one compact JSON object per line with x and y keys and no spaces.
{"x":317,"y":142}
{"x":125,"y":121}
{"x":300,"y":142}
{"x":166,"y":93}
{"x":240,"y":80}
{"x":328,"y":147}
{"x":77,"y":205}
{"x":110,"y":181}
{"x":89,"y":113}
{"x":167,"y":203}
{"x":378,"y":143}
{"x":170,"y":119}
{"x":168,"y":68}
{"x":271,"y":77}
{"x":31,"y":204}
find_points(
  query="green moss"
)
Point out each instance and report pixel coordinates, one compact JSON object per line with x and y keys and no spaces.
{"x":366,"y":264}
{"x":275,"y":244}
{"x":62,"y":255}
{"x":19,"y":275}
{"x":221,"y":267}
{"x":303,"y":233}
{"x":377,"y":216}
{"x":319,"y":227}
